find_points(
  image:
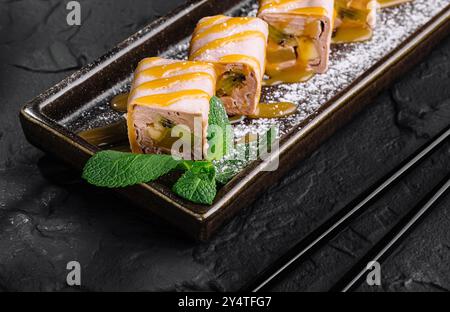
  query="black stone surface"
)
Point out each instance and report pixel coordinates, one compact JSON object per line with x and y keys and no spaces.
{"x":49,"y":217}
{"x":422,"y":263}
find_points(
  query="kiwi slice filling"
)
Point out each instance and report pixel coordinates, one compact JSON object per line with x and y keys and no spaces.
{"x":228,"y":81}
{"x":281,"y":38}
{"x":160,"y":131}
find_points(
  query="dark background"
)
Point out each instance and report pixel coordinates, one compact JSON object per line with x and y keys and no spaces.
{"x":49,"y":217}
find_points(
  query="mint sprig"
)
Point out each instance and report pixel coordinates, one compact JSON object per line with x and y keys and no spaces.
{"x":116,"y":169}
{"x":198,"y":184}
{"x":219,"y":131}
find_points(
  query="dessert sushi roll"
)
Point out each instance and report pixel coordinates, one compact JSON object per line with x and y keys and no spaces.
{"x":164,"y":94}
{"x":299,"y":37}
{"x":237,"y":48}
{"x":355,"y":20}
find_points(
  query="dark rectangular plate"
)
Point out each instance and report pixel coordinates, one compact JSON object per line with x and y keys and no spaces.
{"x":78,"y":96}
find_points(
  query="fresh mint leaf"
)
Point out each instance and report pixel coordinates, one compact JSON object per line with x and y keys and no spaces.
{"x":198,"y":184}
{"x":185,"y":164}
{"x":117,"y":169}
{"x":217,"y":113}
{"x":219,"y":130}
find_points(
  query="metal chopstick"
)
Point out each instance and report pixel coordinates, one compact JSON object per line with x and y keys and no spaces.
{"x":397,"y":235}
{"x":300,"y":249}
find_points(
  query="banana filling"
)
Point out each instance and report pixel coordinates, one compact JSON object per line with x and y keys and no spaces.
{"x":289,"y":56}
{"x":160,"y":132}
{"x":154,"y":129}
{"x":353,"y":20}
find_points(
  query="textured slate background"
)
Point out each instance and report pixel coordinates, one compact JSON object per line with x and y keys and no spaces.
{"x":49,"y":217}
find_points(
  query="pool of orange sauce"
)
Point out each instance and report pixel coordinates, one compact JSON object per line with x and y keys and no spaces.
{"x":119,"y":102}
{"x":107,"y":135}
{"x":297,"y":73}
{"x":352,"y":34}
{"x":274,"y":110}
{"x":285,"y":66}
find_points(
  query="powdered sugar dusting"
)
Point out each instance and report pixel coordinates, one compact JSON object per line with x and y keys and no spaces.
{"x":347,"y":62}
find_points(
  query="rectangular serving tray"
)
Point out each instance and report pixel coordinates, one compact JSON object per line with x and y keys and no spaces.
{"x":42,"y":118}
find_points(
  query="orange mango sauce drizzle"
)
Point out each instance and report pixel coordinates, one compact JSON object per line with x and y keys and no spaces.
{"x":352,"y":34}
{"x":119,"y":102}
{"x":167,"y":82}
{"x":296,"y":69}
{"x":157,"y":72}
{"x":208,"y":21}
{"x":162,"y":76}
{"x":157,"y":85}
{"x":216,"y":44}
{"x":168,"y":99}
{"x":278,"y":4}
{"x":351,"y":19}
{"x":274,"y":110}
{"x":351,"y":30}
{"x":222,"y":27}
{"x":112,"y":134}
{"x":286,"y":64}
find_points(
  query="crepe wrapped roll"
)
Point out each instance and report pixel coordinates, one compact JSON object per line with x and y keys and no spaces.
{"x":355,"y":20}
{"x":166,"y":93}
{"x":299,"y":37}
{"x":237,"y":47}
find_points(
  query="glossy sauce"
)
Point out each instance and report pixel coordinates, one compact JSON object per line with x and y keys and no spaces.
{"x":106,"y":136}
{"x":146,"y":70}
{"x":352,"y":34}
{"x":284,"y":66}
{"x":210,"y":20}
{"x":218,"y":43}
{"x":277,"y":4}
{"x":119,"y":102}
{"x":289,"y":56}
{"x":274,"y":110}
{"x":227,"y":24}
{"x":166,"y":82}
{"x":351,"y":18}
{"x":113,"y":136}
{"x":167,"y":99}
{"x":297,"y":73}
